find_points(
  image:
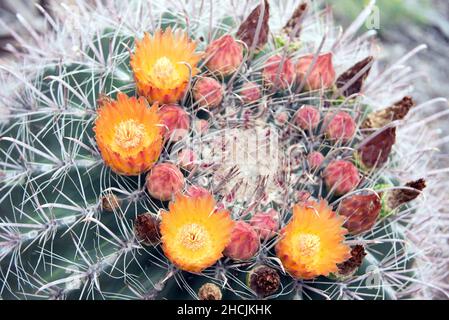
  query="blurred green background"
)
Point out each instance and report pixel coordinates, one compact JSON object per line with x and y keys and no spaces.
{"x":392,"y":12}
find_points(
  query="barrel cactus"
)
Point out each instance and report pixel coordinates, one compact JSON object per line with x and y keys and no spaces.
{"x":215,"y":149}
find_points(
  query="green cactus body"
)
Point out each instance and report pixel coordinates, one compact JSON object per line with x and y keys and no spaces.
{"x":56,"y":242}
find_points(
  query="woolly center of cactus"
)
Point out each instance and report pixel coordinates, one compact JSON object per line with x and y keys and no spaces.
{"x":193,"y":236}
{"x":309,"y":245}
{"x":254,"y":152}
{"x":164,"y":73}
{"x":129,"y":134}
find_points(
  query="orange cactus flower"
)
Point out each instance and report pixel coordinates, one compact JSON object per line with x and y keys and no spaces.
{"x":312,"y":243}
{"x":163,"y":64}
{"x":128,"y":134}
{"x":194,"y":233}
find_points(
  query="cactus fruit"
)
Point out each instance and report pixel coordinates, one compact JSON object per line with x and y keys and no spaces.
{"x":225,"y":131}
{"x":361,"y":211}
{"x":244,"y":242}
{"x":341,"y":177}
{"x":164,"y":181}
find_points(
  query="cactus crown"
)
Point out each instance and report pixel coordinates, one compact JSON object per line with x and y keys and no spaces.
{"x":81,"y":218}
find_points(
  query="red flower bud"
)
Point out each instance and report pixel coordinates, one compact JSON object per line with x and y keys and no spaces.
{"x":197,"y":191}
{"x":315,"y":159}
{"x":224,"y":55}
{"x":208,"y":92}
{"x":244,"y":242}
{"x":307,"y":117}
{"x":322,"y":74}
{"x":340,"y":126}
{"x":341,"y":177}
{"x":279,"y":72}
{"x":164,"y":181}
{"x":176,"y":121}
{"x":250,"y":92}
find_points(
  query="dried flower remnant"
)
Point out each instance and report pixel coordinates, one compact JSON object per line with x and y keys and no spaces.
{"x":350,"y":266}
{"x":254,"y":30}
{"x":374,"y":152}
{"x":361,"y":211}
{"x":110,"y":202}
{"x":395,"y":198}
{"x":293,"y":25}
{"x":353,"y":79}
{"x":209,"y":291}
{"x":380,"y":119}
{"x":264,"y":281}
{"x":146,"y":228}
